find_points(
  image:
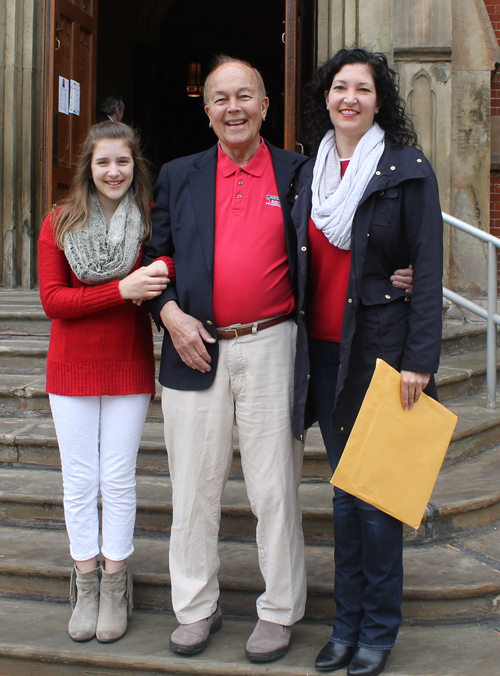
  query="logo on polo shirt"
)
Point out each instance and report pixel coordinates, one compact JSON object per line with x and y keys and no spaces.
{"x":273,"y":201}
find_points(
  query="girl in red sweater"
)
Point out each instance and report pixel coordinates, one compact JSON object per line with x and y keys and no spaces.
{"x":100,"y":367}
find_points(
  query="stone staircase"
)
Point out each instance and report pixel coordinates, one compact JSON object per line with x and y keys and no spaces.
{"x":452,"y":563}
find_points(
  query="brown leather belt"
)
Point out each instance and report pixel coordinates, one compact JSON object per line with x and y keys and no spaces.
{"x":229,"y":334}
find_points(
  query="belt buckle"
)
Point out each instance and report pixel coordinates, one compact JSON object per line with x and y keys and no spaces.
{"x":231,"y":331}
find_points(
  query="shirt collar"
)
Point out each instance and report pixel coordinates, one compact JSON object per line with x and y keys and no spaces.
{"x":255,"y":167}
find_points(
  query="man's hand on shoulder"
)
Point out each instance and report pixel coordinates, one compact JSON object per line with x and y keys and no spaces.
{"x":187,"y":334}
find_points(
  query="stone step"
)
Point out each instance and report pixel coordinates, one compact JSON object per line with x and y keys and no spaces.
{"x":34,"y":497}
{"x":34,"y":640}
{"x":466,"y":497}
{"x":460,"y":337}
{"x":462,"y":374}
{"x":32,"y":441}
{"x":441,"y":581}
{"x":27,"y":433}
{"x":21,"y":314}
{"x":25,"y":392}
{"x":458,"y":375}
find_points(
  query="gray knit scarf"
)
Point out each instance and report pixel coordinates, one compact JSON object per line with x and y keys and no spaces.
{"x":98,"y":253}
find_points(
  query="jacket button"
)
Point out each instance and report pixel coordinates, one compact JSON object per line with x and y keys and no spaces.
{"x":308,"y":376}
{"x":387,"y":296}
{"x":296,"y":197}
{"x":382,"y":192}
{"x":378,"y":173}
{"x":303,"y":248}
{"x":349,"y":300}
{"x":341,"y":429}
{"x":407,"y":299}
{"x":367,"y":234}
{"x":209,"y":322}
{"x":302,"y":437}
{"x":302,"y":312}
{"x":419,"y":160}
{"x":392,"y":168}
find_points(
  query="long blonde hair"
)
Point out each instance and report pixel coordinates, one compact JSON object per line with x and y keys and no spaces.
{"x":73,"y":210}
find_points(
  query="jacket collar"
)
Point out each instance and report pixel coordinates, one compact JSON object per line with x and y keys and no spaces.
{"x":203,"y":181}
{"x":397,"y":165}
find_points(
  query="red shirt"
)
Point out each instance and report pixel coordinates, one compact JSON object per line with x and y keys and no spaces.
{"x":99,"y":343}
{"x":251,"y":274}
{"x":328,"y":277}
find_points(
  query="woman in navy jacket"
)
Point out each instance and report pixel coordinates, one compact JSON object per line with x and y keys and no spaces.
{"x":371,"y":206}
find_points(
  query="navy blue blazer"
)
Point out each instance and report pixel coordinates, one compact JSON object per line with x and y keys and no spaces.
{"x":184,"y":228}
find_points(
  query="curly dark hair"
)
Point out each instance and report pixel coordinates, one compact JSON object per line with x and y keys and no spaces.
{"x":391,"y":116}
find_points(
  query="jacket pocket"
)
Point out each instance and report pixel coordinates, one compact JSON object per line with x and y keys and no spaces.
{"x":384,"y":327}
{"x":386,"y":208}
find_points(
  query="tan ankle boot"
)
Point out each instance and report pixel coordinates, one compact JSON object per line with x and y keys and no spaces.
{"x":84,"y":599}
{"x":115,"y":605}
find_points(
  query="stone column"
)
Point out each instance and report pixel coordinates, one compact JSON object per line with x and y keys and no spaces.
{"x":21,"y":108}
{"x":475,"y":52}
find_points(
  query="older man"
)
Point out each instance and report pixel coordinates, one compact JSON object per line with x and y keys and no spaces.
{"x":228,"y":354}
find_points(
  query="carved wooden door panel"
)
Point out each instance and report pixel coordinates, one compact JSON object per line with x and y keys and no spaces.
{"x":70,"y":69}
{"x":300,"y":61}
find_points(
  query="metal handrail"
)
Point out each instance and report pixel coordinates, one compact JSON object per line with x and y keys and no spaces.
{"x":490,"y":314}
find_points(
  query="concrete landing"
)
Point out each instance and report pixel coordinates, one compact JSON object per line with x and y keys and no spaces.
{"x":42,"y":646}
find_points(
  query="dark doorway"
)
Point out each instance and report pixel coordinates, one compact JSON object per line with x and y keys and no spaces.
{"x":145,"y":48}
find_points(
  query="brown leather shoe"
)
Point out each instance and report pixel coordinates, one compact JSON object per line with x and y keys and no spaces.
{"x":268,"y":642}
{"x":192,"y":639}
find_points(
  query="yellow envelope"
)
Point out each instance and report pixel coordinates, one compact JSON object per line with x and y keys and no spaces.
{"x":393,"y":457}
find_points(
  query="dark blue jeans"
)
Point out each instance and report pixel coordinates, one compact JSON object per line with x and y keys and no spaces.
{"x":368,"y":542}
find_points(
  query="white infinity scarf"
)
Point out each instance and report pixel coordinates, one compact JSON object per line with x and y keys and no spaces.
{"x":334,"y":201}
{"x":97,"y":253}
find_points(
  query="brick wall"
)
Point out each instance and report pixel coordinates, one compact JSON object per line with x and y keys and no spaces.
{"x":493,"y":7}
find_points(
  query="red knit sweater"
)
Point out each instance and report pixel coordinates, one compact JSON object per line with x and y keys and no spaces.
{"x":99,"y":344}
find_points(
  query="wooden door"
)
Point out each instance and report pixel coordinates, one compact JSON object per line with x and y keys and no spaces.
{"x":300,"y":63}
{"x":71,"y":53}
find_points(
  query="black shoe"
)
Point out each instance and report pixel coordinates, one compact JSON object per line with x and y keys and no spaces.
{"x":334,"y":656}
{"x":367,"y":662}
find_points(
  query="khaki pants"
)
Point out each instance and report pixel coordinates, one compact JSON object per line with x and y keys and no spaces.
{"x":254,"y":384}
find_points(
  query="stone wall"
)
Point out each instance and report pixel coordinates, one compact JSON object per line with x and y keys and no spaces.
{"x":21,"y":109}
{"x":445,"y":52}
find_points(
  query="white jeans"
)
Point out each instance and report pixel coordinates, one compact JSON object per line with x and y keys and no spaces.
{"x":254,"y":381}
{"x":98,"y":440}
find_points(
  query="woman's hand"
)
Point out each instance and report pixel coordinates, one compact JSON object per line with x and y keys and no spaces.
{"x":144,"y":283}
{"x":412,"y":385}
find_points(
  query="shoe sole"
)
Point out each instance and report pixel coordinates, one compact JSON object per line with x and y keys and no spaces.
{"x":81,"y":640}
{"x":199,"y":647}
{"x":110,"y":640}
{"x":330,"y":669}
{"x":267,"y":657}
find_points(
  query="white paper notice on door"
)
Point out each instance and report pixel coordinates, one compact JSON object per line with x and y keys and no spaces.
{"x":63,"y":95}
{"x":74,"y":98}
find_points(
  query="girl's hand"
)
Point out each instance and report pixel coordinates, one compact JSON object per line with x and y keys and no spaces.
{"x":145,"y":283}
{"x":412,"y":385}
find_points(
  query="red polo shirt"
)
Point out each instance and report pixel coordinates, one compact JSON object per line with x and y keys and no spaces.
{"x":251,"y":274}
{"x":327,"y":282}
